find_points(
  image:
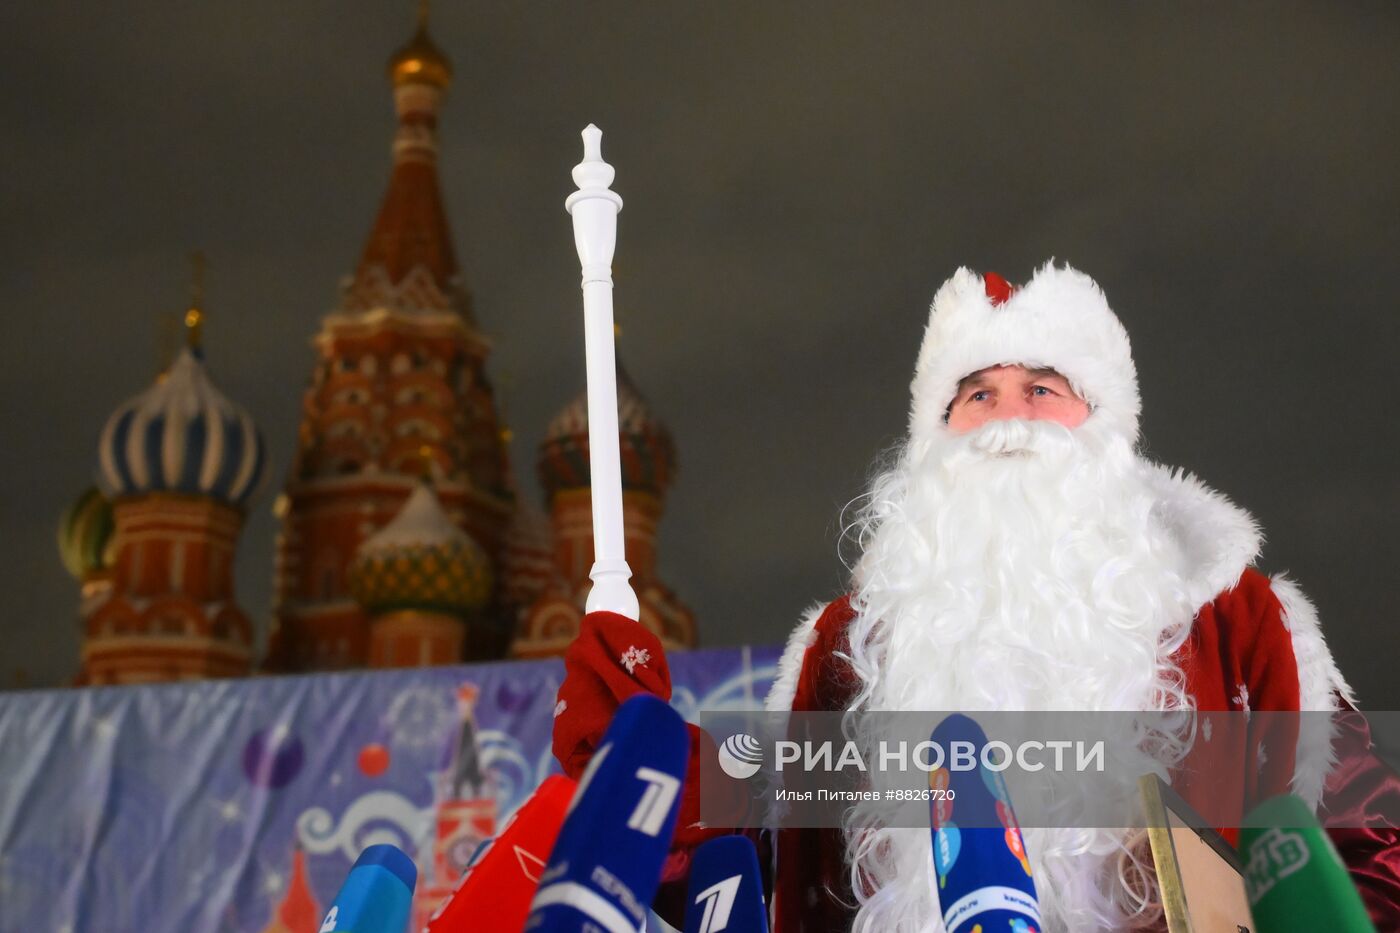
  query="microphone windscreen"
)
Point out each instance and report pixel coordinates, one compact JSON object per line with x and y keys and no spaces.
{"x":495,"y":891}
{"x":606,"y":864}
{"x":984,"y":875}
{"x":725,"y":894}
{"x":1293,"y":875}
{"x":377,"y":895}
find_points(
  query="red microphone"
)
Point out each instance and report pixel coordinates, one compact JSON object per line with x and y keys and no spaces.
{"x":495,"y":891}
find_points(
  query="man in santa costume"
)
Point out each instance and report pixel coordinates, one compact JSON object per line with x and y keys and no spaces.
{"x":1019,"y":554}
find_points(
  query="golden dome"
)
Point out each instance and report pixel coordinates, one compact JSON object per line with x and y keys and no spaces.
{"x":420,"y":61}
{"x":85,"y":535}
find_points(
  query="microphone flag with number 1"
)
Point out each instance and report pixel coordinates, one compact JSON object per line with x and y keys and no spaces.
{"x":606,"y":864}
{"x":726,"y":890}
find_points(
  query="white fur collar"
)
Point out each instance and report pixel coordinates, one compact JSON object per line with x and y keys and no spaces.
{"x":1218,"y":539}
{"x":784,"y":687}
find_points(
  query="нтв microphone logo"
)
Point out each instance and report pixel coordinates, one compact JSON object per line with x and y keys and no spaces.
{"x":740,"y":756}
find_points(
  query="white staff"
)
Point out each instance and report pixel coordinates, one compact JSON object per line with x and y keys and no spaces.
{"x":594,"y":208}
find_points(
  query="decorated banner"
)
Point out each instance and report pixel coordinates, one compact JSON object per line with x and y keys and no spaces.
{"x":240,"y":805}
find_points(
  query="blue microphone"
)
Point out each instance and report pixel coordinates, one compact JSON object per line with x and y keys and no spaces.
{"x":606,"y":863}
{"x":984,"y":875}
{"x":376,"y":896}
{"x":726,"y":892}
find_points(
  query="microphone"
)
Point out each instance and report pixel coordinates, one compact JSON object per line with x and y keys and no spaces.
{"x":377,"y":894}
{"x":725,"y":894}
{"x":1293,"y":875}
{"x":984,"y":875}
{"x":606,"y":864}
{"x":493,"y":895}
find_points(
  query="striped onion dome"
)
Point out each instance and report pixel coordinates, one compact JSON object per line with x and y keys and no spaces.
{"x":420,"y":560}
{"x":648,"y":454}
{"x":182,"y":435}
{"x":85,"y":540}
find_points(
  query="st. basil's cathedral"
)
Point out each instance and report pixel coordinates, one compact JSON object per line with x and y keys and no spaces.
{"x":403,"y":539}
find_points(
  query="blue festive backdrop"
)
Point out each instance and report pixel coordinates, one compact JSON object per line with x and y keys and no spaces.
{"x":240,"y":805}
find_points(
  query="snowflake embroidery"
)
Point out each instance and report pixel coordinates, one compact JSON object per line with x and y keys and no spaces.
{"x":1206,"y":728}
{"x":560,"y":707}
{"x":634,"y":656}
{"x":1242,"y":698}
{"x":1262,"y":758}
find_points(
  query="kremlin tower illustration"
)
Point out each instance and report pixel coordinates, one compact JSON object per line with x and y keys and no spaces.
{"x":298,"y":911}
{"x":464,"y":815}
{"x":403,"y":541}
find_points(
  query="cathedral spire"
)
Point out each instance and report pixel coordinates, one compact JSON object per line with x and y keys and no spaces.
{"x":420,"y":61}
{"x":399,"y":390}
{"x":411,"y":229}
{"x":194,"y":314}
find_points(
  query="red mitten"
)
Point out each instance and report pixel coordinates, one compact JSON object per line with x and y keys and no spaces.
{"x":612,"y":658}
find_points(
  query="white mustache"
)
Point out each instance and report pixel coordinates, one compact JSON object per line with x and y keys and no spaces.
{"x":1019,"y":438}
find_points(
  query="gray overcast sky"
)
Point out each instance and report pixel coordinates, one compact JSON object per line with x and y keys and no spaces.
{"x":799,"y":178}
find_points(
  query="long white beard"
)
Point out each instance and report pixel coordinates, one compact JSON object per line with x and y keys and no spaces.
{"x":1018,"y":567}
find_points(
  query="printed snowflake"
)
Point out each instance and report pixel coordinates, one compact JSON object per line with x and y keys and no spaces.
{"x":273,"y":883}
{"x":634,"y":656}
{"x":1206,"y":728}
{"x":419,"y":717}
{"x":229,"y":810}
{"x":105,"y":727}
{"x":1242,"y":698}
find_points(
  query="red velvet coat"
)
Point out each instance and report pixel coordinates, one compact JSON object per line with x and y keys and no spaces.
{"x":1256,"y":643}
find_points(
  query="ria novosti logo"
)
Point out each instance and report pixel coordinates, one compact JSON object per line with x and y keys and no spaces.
{"x":740,"y":756}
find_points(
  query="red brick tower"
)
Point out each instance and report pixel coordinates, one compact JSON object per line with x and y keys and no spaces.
{"x":180,"y":463}
{"x":399,"y":390}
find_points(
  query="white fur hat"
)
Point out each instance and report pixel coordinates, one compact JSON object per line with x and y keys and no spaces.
{"x":1059,"y":319}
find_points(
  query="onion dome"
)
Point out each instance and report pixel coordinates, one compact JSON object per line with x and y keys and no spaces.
{"x":420,"y":61}
{"x":420,"y":560}
{"x":182,"y":435}
{"x":85,"y":540}
{"x":528,"y":558}
{"x":648,"y":454}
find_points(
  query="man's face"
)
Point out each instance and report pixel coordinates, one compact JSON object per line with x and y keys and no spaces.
{"x":1000,"y":393}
